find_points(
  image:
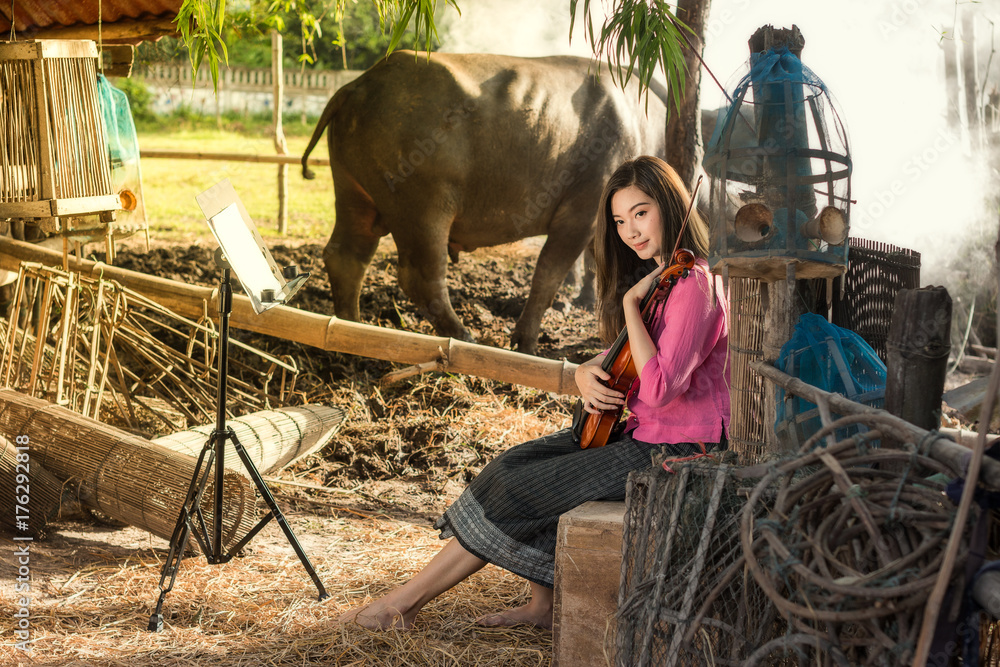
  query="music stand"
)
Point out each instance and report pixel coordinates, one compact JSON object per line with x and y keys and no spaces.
{"x":242,"y":250}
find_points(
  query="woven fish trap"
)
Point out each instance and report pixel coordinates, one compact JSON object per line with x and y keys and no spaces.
{"x":685,"y":596}
{"x":847,"y":541}
{"x":271,"y":438}
{"x":33,"y":495}
{"x":124,"y":476}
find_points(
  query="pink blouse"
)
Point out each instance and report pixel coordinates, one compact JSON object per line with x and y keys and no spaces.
{"x":682,"y":394}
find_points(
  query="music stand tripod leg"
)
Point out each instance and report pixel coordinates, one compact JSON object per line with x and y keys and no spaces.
{"x":183,"y":529}
{"x":275,"y":513}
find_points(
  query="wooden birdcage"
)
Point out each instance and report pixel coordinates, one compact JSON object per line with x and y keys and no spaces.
{"x":53,"y":146}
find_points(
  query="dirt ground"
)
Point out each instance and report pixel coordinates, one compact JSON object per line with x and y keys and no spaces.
{"x":404,"y":452}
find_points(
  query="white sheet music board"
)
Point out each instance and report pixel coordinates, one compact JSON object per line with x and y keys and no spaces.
{"x":242,"y":245}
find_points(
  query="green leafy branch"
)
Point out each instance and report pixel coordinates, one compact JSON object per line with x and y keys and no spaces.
{"x":639,"y":37}
{"x":201,"y":24}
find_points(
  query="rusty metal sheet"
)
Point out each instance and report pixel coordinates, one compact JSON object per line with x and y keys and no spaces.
{"x":34,"y":16}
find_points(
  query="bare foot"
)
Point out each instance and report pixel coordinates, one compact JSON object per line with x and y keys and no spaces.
{"x":524,"y":615}
{"x":379,"y":615}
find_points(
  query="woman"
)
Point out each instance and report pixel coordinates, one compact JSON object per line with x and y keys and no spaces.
{"x":509,"y":514}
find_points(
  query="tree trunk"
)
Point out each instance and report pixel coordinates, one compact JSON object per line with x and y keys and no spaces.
{"x":970,"y":78}
{"x":951,"y":77}
{"x":684,"y":149}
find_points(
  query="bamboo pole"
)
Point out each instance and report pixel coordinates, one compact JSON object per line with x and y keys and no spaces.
{"x":230,"y":157}
{"x":321,"y":331}
{"x":940,"y":448}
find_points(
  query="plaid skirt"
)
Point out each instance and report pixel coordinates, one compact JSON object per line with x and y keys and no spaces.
{"x":509,"y":514}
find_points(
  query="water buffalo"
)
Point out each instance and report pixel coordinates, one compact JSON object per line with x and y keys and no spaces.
{"x":460,"y":152}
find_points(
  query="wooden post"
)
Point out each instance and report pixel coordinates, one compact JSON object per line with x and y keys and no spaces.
{"x":779,"y":299}
{"x":951,"y":75}
{"x":280,"y":145}
{"x":917,"y":355}
{"x":782,"y":308}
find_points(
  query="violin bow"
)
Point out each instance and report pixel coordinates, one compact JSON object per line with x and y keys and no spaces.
{"x":680,"y":234}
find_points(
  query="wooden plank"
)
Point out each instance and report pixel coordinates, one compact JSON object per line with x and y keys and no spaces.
{"x":30,"y":50}
{"x":46,"y":176}
{"x":124,"y":30}
{"x":588,"y":573}
{"x":917,"y":355}
{"x":25,"y":209}
{"x":117,"y":59}
{"x":85,"y":205}
{"x":967,"y":397}
{"x":773,"y":269}
{"x":68,"y":48}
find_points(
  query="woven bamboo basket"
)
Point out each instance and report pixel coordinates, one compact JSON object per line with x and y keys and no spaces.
{"x":24,"y":479}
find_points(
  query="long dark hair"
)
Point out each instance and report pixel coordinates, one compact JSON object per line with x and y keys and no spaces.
{"x":618,"y":267}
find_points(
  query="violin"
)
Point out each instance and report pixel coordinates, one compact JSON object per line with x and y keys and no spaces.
{"x":592,"y":430}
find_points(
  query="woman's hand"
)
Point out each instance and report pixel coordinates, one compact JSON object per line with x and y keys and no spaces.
{"x":638,"y":292}
{"x":597,"y":396}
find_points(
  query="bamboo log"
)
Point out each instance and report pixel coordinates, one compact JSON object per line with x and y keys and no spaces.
{"x":230,"y":157}
{"x":272,"y":438}
{"x":939,"y":447}
{"x":322,"y":331}
{"x":124,"y":476}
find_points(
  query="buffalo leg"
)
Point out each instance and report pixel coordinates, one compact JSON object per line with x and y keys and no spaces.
{"x":348,"y":253}
{"x":554,"y":262}
{"x":423,"y":269}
